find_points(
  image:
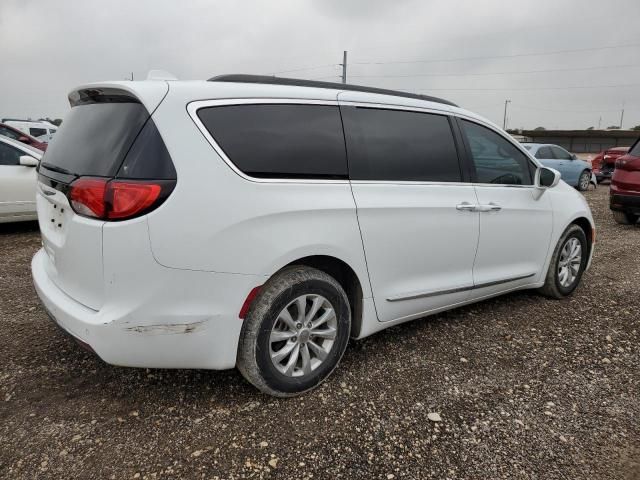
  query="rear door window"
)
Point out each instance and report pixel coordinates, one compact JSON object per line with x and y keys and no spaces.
{"x":496,"y":160}
{"x":280,"y":141}
{"x":398,"y":145}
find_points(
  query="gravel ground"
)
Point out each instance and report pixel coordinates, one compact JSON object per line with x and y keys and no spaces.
{"x":524,"y":387}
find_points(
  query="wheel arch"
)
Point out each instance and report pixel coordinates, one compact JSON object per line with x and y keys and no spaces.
{"x":588,"y":229}
{"x":345,"y":276}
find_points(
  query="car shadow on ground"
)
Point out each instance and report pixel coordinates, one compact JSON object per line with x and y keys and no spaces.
{"x":16,"y":228}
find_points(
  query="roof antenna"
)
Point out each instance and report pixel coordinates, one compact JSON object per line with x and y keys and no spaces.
{"x":160,"y":75}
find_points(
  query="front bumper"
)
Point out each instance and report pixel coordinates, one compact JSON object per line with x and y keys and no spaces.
{"x":185,"y":319}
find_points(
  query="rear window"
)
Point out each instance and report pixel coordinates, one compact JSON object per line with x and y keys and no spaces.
{"x":400,"y":145}
{"x":107,"y":136}
{"x":94,"y":138}
{"x":635,"y":150}
{"x":280,"y":141}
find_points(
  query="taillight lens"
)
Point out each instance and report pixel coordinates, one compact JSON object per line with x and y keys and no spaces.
{"x":107,"y":199}
{"x":87,"y":196}
{"x":128,"y":199}
{"x":621,"y":162}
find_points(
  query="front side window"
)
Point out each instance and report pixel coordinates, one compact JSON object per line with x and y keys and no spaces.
{"x":496,"y":160}
{"x":9,"y":155}
{"x":397,"y":145}
{"x":560,"y":153}
{"x":544,"y":153}
{"x":280,"y":141}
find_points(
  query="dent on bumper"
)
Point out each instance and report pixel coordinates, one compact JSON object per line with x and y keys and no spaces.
{"x":204,"y":335}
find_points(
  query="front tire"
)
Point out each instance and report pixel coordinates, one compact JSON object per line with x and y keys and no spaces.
{"x":567,"y":263}
{"x":295,"y":332}
{"x":584,"y":181}
{"x":624,"y":218}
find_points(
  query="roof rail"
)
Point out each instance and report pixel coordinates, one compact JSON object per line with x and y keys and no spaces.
{"x":272,"y":80}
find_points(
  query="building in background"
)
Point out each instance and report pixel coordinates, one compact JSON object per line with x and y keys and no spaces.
{"x":581,"y":141}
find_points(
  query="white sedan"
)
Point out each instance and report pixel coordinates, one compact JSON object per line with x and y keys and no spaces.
{"x":17,"y":180}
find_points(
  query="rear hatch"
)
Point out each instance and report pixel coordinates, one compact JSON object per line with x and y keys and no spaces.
{"x":108,"y":163}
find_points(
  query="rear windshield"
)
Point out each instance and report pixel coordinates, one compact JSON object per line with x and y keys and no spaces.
{"x":635,"y":151}
{"x":95,"y":137}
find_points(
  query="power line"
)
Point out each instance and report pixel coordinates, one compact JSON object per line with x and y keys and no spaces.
{"x":315,"y":67}
{"x":537,"y":54}
{"x":496,"y":73}
{"x":531,"y":88}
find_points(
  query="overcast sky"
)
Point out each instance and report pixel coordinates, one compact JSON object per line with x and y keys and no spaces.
{"x":48,"y":47}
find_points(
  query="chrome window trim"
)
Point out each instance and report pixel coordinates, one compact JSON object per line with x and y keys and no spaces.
{"x":194,"y":106}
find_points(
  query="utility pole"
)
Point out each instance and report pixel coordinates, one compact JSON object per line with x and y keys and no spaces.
{"x":621,"y":116}
{"x":344,"y":67}
{"x":599,"y":121}
{"x":504,"y":121}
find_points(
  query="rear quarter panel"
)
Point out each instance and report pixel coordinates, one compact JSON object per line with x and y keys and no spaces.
{"x":216,"y":220}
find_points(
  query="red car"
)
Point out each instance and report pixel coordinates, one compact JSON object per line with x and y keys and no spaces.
{"x":624,"y":194}
{"x":604,"y":163}
{"x":15,"y":134}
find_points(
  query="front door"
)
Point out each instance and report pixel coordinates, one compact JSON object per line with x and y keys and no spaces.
{"x":515,"y":217}
{"x":17,"y":185}
{"x":418,"y":230}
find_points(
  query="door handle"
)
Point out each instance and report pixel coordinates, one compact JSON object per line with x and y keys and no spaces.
{"x":491,"y":207}
{"x":466,"y":207}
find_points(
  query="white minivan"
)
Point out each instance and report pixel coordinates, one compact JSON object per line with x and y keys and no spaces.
{"x":260,"y":222}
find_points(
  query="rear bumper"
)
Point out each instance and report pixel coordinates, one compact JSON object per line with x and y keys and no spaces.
{"x":625,"y":203}
{"x":182,"y":319}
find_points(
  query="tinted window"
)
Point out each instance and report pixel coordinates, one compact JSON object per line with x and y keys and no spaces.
{"x":281,"y":141}
{"x":37,"y":132}
{"x":544,"y":153}
{"x":635,"y":150}
{"x":560,"y":153}
{"x":5,"y":132}
{"x":95,"y":137}
{"x":399,"y":145}
{"x":9,"y":155}
{"x":496,"y":160}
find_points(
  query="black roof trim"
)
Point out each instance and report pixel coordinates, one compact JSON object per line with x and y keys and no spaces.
{"x":270,"y":80}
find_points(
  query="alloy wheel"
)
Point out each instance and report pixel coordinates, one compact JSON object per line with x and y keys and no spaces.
{"x":569,"y":262}
{"x":303,"y":335}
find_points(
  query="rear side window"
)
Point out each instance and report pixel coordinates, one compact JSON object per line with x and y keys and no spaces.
{"x":107,"y":136}
{"x":280,"y":141}
{"x":37,"y":132}
{"x":399,"y":145}
{"x":496,"y":160}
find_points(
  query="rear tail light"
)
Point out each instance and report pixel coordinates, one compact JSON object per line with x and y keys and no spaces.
{"x":107,"y":199}
{"x":621,"y":162}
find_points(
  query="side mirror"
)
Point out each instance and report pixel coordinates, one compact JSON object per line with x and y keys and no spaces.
{"x":23,"y":139}
{"x":574,"y":156}
{"x":547,"y":177}
{"x":28,"y":161}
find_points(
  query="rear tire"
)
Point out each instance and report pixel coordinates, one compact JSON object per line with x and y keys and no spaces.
{"x":624,"y":218}
{"x":584,"y":181}
{"x":567,"y":264}
{"x":295,"y":332}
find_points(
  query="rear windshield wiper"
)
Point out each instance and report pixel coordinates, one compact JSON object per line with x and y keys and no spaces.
{"x":55,"y":168}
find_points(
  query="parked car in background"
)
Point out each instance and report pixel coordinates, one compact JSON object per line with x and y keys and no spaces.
{"x":17,"y":180}
{"x":219,"y":224}
{"x":603,"y":164}
{"x":39,"y":129}
{"x":574,"y":171}
{"x":624,"y":194}
{"x":15,"y":134}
